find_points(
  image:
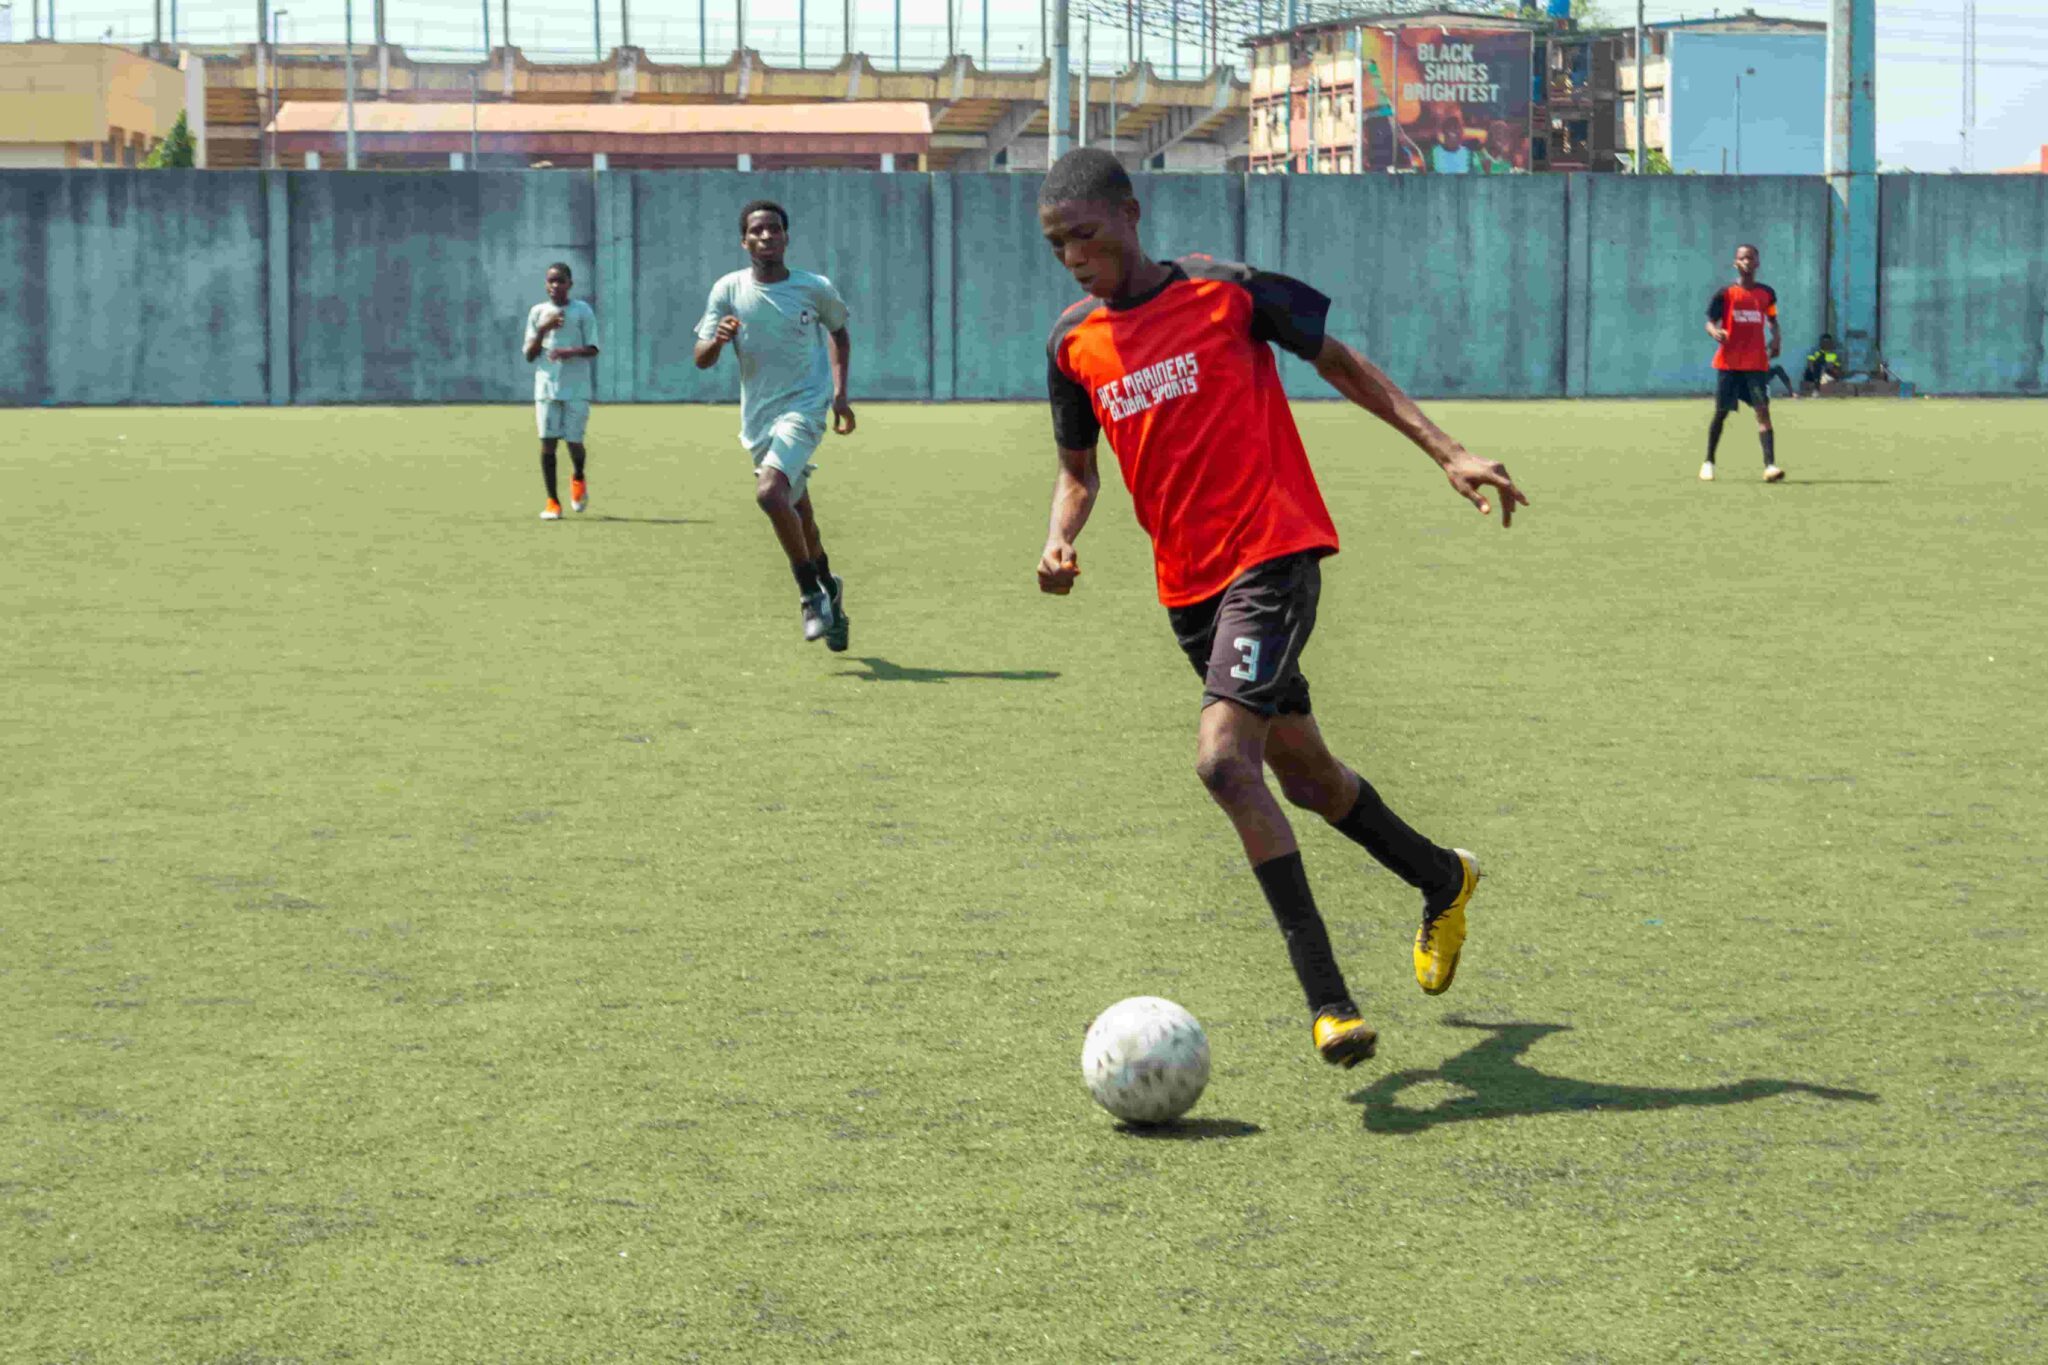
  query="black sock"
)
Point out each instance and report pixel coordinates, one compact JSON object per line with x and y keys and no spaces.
{"x":578,"y":454}
{"x":823,"y":564}
{"x":1770,"y":440}
{"x":1436,"y":872}
{"x":1713,"y":441}
{"x":806,"y":578}
{"x":547,"y":472}
{"x":1285,"y":883}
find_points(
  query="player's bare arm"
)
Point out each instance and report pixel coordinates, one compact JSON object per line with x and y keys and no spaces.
{"x":1717,"y":332}
{"x":1776,"y":339}
{"x":707,"y":352}
{"x":842,"y":362}
{"x":1073,"y":498}
{"x":1361,"y":381}
{"x":572,"y":353}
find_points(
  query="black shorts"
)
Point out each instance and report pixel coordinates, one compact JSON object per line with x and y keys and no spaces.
{"x":1743,"y":386}
{"x":1246,"y":641}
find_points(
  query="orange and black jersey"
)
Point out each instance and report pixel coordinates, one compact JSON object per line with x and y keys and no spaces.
{"x":1184,"y":383}
{"x":1744,"y":310}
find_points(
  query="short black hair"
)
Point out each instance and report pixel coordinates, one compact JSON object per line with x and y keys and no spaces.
{"x":1086,"y":175}
{"x":1749,"y":246}
{"x":1827,"y":336}
{"x":562,"y":266}
{"x":759,"y":204}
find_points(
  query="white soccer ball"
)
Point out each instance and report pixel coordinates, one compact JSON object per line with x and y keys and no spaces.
{"x":1146,"y":1060}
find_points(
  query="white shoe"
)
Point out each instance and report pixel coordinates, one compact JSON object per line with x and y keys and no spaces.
{"x":1707,"y":472}
{"x":1772,"y":473}
{"x":817,"y":611}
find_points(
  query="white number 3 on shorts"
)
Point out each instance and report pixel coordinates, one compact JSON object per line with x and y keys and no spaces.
{"x":1249,"y":669}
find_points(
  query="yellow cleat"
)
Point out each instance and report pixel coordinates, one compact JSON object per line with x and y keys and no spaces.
{"x":1442,"y":935}
{"x":1342,"y":1037}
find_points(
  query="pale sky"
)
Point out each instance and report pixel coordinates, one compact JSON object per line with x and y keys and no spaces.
{"x":1920,"y":100}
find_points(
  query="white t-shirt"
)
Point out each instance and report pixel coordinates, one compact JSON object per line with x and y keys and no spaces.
{"x":784,"y":331}
{"x":564,"y":381}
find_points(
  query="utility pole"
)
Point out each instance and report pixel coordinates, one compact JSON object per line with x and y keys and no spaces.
{"x":1059,"y":117}
{"x":625,"y":25}
{"x":487,"y":28}
{"x":1642,"y":101}
{"x":1969,"y":83}
{"x":348,"y":40}
{"x":1087,"y":49}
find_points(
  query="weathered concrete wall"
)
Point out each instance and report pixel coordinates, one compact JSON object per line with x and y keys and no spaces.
{"x":132,"y":287}
{"x":1963,"y":281}
{"x":295,"y":287}
{"x":414,"y":288}
{"x":1656,"y":249}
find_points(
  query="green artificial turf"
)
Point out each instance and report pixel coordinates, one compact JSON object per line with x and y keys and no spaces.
{"x":427,"y":934}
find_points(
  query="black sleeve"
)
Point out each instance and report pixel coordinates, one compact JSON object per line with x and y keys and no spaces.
{"x":1717,"y":306}
{"x":1073,"y":419}
{"x":1287,"y":313}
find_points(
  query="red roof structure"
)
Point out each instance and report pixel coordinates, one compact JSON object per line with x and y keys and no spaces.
{"x":630,"y":136}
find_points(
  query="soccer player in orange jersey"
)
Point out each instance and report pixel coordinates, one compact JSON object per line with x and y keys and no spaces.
{"x":1738,"y":316}
{"x":1173,"y":361}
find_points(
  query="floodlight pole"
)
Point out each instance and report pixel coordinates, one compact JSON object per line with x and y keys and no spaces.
{"x":597,"y":29}
{"x":486,"y":4}
{"x":800,"y":25}
{"x":1060,"y":92}
{"x":625,"y":24}
{"x":899,"y":35}
{"x":1087,"y":50}
{"x":348,"y":41}
{"x":1852,"y":179}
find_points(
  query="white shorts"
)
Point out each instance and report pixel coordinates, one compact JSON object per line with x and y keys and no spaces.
{"x":791,"y":443}
{"x":561,"y":418}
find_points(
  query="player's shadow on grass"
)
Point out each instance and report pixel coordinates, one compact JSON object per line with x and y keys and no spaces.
{"x":1502,"y":1085}
{"x":1191,"y":1130}
{"x":881,"y":670}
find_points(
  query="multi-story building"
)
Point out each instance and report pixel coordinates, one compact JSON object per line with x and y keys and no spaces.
{"x":1465,"y":91}
{"x":81,"y":104}
{"x":1741,"y":95}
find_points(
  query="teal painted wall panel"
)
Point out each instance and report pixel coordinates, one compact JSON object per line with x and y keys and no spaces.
{"x":1660,"y":247}
{"x":133,"y":287}
{"x":1453,"y":285}
{"x":1963,"y":282}
{"x":409,"y":288}
{"x":309,"y":287}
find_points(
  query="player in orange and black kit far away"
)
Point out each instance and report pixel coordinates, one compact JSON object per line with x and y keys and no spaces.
{"x":1172,"y":360}
{"x":1738,"y":317}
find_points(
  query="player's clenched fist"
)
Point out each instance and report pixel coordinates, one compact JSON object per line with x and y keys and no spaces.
{"x":728,"y":328}
{"x":1058,"y":568}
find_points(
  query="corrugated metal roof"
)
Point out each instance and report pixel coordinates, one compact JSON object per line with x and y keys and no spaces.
{"x":852,"y":118}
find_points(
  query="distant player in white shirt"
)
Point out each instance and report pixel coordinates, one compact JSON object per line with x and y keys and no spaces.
{"x":562,"y":383}
{"x":789,"y":329}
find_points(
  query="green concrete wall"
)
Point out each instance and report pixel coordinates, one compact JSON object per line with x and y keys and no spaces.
{"x":315,"y":287}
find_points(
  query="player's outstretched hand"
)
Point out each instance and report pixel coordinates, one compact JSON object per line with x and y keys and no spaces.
{"x":1471,"y":476}
{"x":842,"y":417}
{"x":1058,"y":567}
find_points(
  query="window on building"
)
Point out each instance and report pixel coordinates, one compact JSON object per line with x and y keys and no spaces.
{"x":128,"y":156}
{"x":87,"y":153}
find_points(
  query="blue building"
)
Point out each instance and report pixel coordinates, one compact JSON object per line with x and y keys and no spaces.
{"x":1737,"y":96}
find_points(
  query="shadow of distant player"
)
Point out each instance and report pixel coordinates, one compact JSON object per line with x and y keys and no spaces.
{"x":881,"y":670}
{"x":1503,"y":1086}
